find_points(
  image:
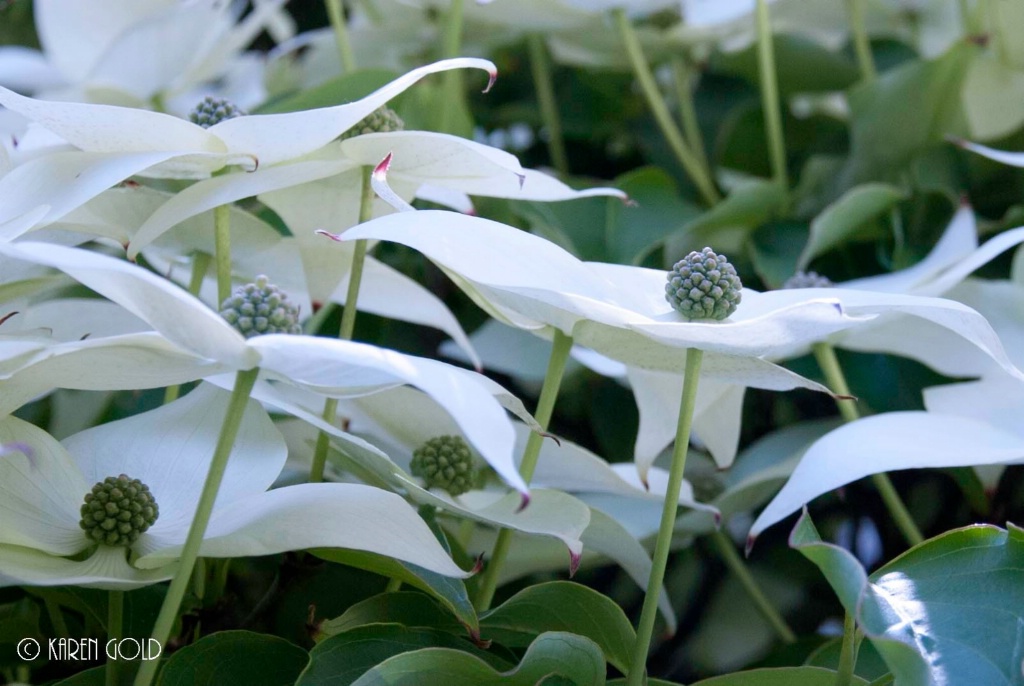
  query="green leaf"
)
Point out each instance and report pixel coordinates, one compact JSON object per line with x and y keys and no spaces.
{"x":949,"y":610}
{"x":337,"y":91}
{"x":407,"y":608}
{"x":725,"y":227}
{"x":450,"y":592}
{"x":656,"y":211}
{"x":846,"y":218}
{"x":562,"y":606}
{"x":235,"y":657}
{"x":574,"y":658}
{"x":19,"y":620}
{"x":991,"y":98}
{"x":775,"y":250}
{"x":803,"y":66}
{"x":781,"y":676}
{"x":344,"y":658}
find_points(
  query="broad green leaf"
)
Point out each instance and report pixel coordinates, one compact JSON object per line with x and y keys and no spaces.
{"x":803,"y":66}
{"x":19,"y":620}
{"x":450,"y":592}
{"x":562,"y":606}
{"x":337,"y":91}
{"x":574,"y":658}
{"x":657,"y":210}
{"x":775,"y":249}
{"x":235,"y":657}
{"x":948,"y":611}
{"x":408,"y":608}
{"x":344,"y":658}
{"x":845,"y":218}
{"x":991,"y":98}
{"x":727,"y":225}
{"x":781,"y":676}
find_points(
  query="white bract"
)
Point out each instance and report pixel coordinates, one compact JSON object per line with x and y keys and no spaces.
{"x":119,"y":142}
{"x":169,"y":449}
{"x":192,"y":341}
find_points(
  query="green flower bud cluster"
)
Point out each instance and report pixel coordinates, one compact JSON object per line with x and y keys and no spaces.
{"x":259,"y":308}
{"x":703,"y":285}
{"x":808,"y":280}
{"x":381,"y":120}
{"x":445,"y":462}
{"x":212,"y":111}
{"x":118,"y":510}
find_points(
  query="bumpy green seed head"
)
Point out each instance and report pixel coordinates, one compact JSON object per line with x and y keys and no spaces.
{"x":445,"y":462}
{"x":258,"y":308}
{"x":212,"y":111}
{"x":118,"y":510}
{"x":703,"y":285}
{"x":808,"y":280}
{"x":381,"y":120}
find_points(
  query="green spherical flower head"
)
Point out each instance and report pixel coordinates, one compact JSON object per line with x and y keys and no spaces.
{"x":381,"y":120}
{"x":118,"y":510}
{"x":212,"y":111}
{"x":703,"y":285}
{"x":807,"y":280}
{"x":445,"y":462}
{"x":258,"y":308}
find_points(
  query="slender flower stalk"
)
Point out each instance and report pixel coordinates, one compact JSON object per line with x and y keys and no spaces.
{"x":848,"y":652}
{"x":861,"y":44}
{"x":348,"y":324}
{"x":645,"y":628}
{"x":115,"y":622}
{"x":451,"y":46}
{"x":687,"y":158}
{"x":826,"y":357}
{"x":222,"y":250}
{"x":681,"y":74}
{"x":56,"y":617}
{"x":244,"y":382}
{"x":545,"y":408}
{"x":732,"y":559}
{"x":770,"y":102}
{"x":337,"y":17}
{"x":540,"y":65}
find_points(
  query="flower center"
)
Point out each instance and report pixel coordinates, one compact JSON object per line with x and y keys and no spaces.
{"x":381,"y":120}
{"x":445,"y":462}
{"x":807,"y":280}
{"x":703,"y":285}
{"x":118,"y":510}
{"x":260,"y":308}
{"x":211,"y":111}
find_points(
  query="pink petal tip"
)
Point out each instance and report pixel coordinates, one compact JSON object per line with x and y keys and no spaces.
{"x":333,"y":236}
{"x":492,"y":76}
{"x":574,"y":563}
{"x":523,"y":502}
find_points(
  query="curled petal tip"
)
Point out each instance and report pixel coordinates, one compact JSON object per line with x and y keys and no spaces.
{"x":522,"y":180}
{"x":955,"y":140}
{"x":629,"y":202}
{"x":553,"y":437}
{"x":845,"y":397}
{"x":751,"y":539}
{"x":524,"y":501}
{"x":333,"y":236}
{"x":7,"y":316}
{"x":574,"y":563}
{"x":492,"y":76}
{"x":965,"y":201}
{"x":478,"y":565}
{"x":718,"y":520}
{"x":382,"y":167}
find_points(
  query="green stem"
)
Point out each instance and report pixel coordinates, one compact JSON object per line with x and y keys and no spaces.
{"x":540,"y":65}
{"x":394,"y":585}
{"x":861,"y":44}
{"x":222,"y":250}
{"x":56,"y":617}
{"x":244,"y":381}
{"x":642,"y":71}
{"x":115,"y":622}
{"x":826,"y":356}
{"x":736,"y":565}
{"x":451,"y":46}
{"x":681,"y":74}
{"x":345,"y":52}
{"x":348,"y":326}
{"x":200,"y":265}
{"x":848,"y":652}
{"x":645,"y":628}
{"x":545,"y":408}
{"x":770,"y":102}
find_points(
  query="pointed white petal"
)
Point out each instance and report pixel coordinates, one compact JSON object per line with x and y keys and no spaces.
{"x":997,"y":400}
{"x":107,"y":568}
{"x":343,"y":368}
{"x":889,"y":442}
{"x":73,"y":319}
{"x":106,"y":128}
{"x":446,"y":197}
{"x":170,"y":448}
{"x":1014,"y":159}
{"x":21,"y":224}
{"x":170,"y":310}
{"x":42,"y":492}
{"x":25,"y":69}
{"x":273,"y":138}
{"x":321,"y":515}
{"x":222,"y":190}
{"x":991,"y":249}
{"x":1002,"y":304}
